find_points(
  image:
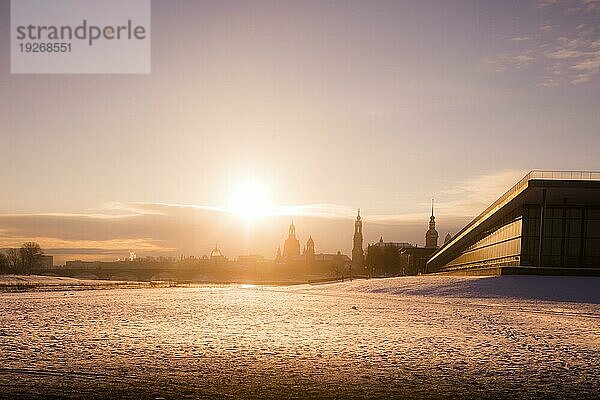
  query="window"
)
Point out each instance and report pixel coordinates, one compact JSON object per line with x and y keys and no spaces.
{"x":573,"y":228}
{"x":592,"y":247}
{"x":593,"y":213}
{"x":593,"y":229}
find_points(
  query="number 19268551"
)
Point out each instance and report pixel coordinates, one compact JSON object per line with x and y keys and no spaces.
{"x":45,"y":47}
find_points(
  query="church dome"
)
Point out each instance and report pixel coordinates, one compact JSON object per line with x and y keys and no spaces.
{"x":216,"y":253}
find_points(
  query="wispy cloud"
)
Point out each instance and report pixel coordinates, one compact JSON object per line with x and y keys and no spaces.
{"x":161,"y":229}
{"x":546,"y":3}
{"x":504,"y":61}
{"x":144,"y":208}
{"x":470,"y":197}
{"x":114,"y":229}
{"x":562,"y":51}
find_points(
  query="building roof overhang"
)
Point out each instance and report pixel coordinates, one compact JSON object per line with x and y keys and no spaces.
{"x":571,"y":187}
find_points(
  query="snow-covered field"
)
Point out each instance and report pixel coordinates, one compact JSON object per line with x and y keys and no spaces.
{"x":12,"y":283}
{"x":420,"y":337}
{"x":512,"y":288}
{"x":15,"y":280}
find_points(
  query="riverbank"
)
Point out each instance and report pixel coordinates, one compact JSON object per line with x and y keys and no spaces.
{"x":514,"y":288}
{"x":40,"y":283}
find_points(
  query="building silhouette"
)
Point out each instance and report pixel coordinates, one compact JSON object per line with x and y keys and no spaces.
{"x":217,"y":257}
{"x":358,"y":255}
{"x":402,"y":258}
{"x":447,"y":238}
{"x":309,"y":252}
{"x":431,"y":237}
{"x":291,"y":246}
{"x":309,"y":263}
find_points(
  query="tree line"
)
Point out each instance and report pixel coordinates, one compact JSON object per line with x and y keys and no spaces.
{"x":22,"y":260}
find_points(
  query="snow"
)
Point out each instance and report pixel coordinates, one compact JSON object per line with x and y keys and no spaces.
{"x":15,"y":280}
{"x":418,"y":337}
{"x":574,"y":289}
{"x":10,"y":283}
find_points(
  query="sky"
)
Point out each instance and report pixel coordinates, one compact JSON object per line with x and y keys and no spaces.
{"x":328,"y":106}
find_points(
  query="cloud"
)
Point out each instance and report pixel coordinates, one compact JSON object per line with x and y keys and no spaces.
{"x":174,"y":229}
{"x":586,"y":68}
{"x":571,"y":5}
{"x":168,"y":229}
{"x":144,"y":208}
{"x":114,"y":229}
{"x":565,"y":48}
{"x":470,"y":197}
{"x":505,"y":61}
{"x":546,"y":3}
{"x":585,"y":6}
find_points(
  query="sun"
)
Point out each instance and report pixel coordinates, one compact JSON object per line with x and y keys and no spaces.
{"x":250,"y":200}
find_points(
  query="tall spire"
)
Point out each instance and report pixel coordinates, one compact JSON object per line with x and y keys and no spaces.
{"x":357,"y":250}
{"x":431,"y":237}
{"x":358,"y":225}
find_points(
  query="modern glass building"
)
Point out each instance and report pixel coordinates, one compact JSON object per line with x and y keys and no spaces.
{"x":549,"y":222}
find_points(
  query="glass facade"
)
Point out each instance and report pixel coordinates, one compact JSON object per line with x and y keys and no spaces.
{"x":571,"y":236}
{"x":497,"y":246}
{"x":547,"y":219}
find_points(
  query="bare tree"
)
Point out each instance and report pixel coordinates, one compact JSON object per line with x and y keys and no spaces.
{"x":3,"y":264}
{"x":30,"y":252}
{"x":14,"y":260}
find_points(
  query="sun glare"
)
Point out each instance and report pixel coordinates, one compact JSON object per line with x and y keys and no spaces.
{"x":250,"y":201}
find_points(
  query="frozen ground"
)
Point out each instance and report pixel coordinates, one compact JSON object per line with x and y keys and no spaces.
{"x":422,"y":337}
{"x":16,"y":283}
{"x":15,"y":280}
{"x":513,"y":288}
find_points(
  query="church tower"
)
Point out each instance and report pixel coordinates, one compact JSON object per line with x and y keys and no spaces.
{"x":431,"y":237}
{"x":448,"y":238}
{"x":309,"y":253}
{"x":358,"y":256}
{"x":291,"y":246}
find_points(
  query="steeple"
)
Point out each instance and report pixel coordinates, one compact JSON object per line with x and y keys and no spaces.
{"x":358,"y":225}
{"x":309,"y":252}
{"x":432,"y":218}
{"x":431,"y":237}
{"x":358,"y":254}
